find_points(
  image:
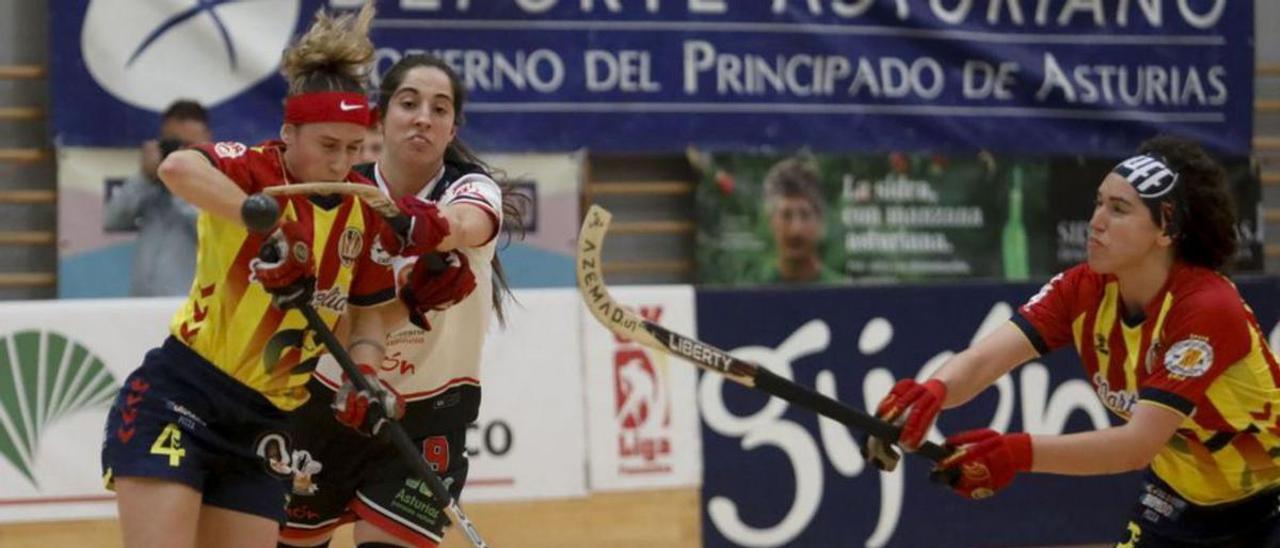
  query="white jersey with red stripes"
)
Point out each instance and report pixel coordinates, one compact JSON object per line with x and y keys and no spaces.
{"x":422,"y":364}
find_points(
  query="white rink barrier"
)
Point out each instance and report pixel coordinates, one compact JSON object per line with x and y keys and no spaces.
{"x":61,"y":363}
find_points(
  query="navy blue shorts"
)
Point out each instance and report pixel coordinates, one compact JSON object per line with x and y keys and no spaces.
{"x":179,"y":418}
{"x":344,"y":476}
{"x":1163,"y":519}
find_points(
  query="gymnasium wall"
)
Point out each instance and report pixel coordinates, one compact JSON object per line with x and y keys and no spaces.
{"x":585,"y":439}
{"x":571,"y":411}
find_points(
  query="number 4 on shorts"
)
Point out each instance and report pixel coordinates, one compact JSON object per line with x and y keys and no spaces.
{"x":169,"y":442}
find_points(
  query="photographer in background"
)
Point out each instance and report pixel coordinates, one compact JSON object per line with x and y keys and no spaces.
{"x":164,"y":259}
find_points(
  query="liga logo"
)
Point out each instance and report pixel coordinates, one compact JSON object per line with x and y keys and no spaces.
{"x":642,"y":405}
{"x":149,"y":52}
{"x":44,"y":376}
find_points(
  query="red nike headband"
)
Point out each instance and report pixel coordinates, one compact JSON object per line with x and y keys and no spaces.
{"x":329,"y":106}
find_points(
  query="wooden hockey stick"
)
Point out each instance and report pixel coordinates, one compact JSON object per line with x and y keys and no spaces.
{"x":371,"y":195}
{"x":395,"y":433}
{"x":626,"y":323}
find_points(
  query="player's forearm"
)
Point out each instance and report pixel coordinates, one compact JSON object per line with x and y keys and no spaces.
{"x":469,"y":226}
{"x":965,"y":377}
{"x":973,"y":370}
{"x":368,"y":335}
{"x":395,"y":316}
{"x":1100,"y":452}
{"x":1110,"y":450}
{"x":190,"y":176}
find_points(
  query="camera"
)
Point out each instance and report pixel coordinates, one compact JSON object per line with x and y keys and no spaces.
{"x":169,"y":146}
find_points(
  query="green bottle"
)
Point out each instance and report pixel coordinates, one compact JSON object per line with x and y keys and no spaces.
{"x":1013,"y":239}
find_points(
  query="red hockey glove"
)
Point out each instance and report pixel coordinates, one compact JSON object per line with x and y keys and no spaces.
{"x":351,"y":406}
{"x":985,"y":461}
{"x":427,"y":227}
{"x":285,"y":267}
{"x":920,"y":403}
{"x":426,"y":290}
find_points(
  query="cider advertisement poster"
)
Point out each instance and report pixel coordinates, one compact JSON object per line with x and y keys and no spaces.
{"x":835,"y":219}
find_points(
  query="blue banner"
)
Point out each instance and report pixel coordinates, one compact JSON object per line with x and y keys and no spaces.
{"x":775,"y":475}
{"x":614,"y":75}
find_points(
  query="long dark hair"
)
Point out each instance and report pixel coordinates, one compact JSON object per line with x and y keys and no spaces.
{"x":458,"y":153}
{"x":1203,"y":217}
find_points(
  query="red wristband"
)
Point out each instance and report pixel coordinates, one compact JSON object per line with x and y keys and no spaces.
{"x":1020,"y":451}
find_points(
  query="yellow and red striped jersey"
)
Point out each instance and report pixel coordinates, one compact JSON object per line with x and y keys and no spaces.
{"x":1196,"y":349}
{"x":231,"y":322}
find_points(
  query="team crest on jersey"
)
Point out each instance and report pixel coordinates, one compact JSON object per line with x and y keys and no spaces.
{"x":350,"y":245}
{"x":229,"y":149}
{"x":1189,"y":357}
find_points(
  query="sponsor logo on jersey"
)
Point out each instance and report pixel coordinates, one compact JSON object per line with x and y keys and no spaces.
{"x":273,"y":447}
{"x":1120,"y":401}
{"x":229,"y":149}
{"x":379,"y":254}
{"x":304,"y":467}
{"x":396,"y":363}
{"x":302,"y":512}
{"x":334,"y":299}
{"x":147,"y":53}
{"x":188,"y":419}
